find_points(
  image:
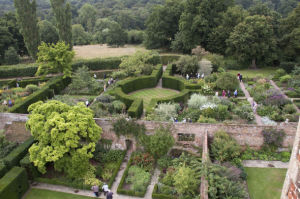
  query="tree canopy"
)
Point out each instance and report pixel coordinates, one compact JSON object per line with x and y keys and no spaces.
{"x":66,"y":136}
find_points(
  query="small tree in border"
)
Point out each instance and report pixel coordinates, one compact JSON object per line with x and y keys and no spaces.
{"x":273,"y":138}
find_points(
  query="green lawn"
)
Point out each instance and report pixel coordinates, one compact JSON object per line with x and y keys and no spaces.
{"x":148,"y":94}
{"x":265,"y":183}
{"x":46,"y":194}
{"x":250,"y":73}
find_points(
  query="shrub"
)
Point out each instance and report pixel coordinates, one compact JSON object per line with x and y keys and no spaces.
{"x":184,"y":183}
{"x":279,"y":73}
{"x":138,"y":178}
{"x":245,"y":112}
{"x":187,"y":65}
{"x":192,"y":114}
{"x":11,"y":56}
{"x":285,"y":78}
{"x":224,"y":148}
{"x":267,"y":110}
{"x":14,"y":184}
{"x":227,"y":81}
{"x":112,"y":156}
{"x":164,"y":162}
{"x":288,"y":66}
{"x":3,"y":169}
{"x":197,"y":101}
{"x":289,"y":109}
{"x":124,"y":127}
{"x":118,"y":106}
{"x":136,"y":108}
{"x":143,"y":160}
{"x":5,"y":146}
{"x":31,"y":88}
{"x":105,"y":98}
{"x":205,"y":67}
{"x":273,"y":138}
{"x":203,"y":119}
{"x":166,"y":111}
{"x":31,"y":170}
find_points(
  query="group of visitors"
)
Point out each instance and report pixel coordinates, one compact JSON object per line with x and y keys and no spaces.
{"x":228,"y":93}
{"x":108,"y":193}
{"x":240,"y":77}
{"x":8,"y":103}
{"x":183,"y":121}
{"x":197,"y":75}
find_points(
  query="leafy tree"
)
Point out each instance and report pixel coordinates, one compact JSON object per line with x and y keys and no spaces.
{"x":5,"y":41}
{"x":273,"y":138}
{"x":135,"y":37}
{"x":232,"y":17}
{"x":26,"y":16}
{"x":66,"y":136}
{"x":162,"y":24}
{"x":139,"y":63}
{"x":11,"y":56}
{"x":124,"y":127}
{"x":87,"y":16}
{"x":83,"y":82}
{"x":48,"y":32}
{"x":187,"y":65}
{"x":160,"y":143}
{"x":252,"y":41}
{"x":224,"y":148}
{"x":55,"y":58}
{"x":290,"y":42}
{"x":227,"y":81}
{"x":184,"y":181}
{"x":63,"y":15}
{"x":79,"y":36}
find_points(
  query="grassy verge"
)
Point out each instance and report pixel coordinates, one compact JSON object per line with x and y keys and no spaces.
{"x":46,"y":194}
{"x":265,"y":183}
{"x":251,"y":73}
{"x":148,"y":94}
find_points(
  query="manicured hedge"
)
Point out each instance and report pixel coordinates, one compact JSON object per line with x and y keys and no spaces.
{"x":116,"y":171}
{"x":57,"y":181}
{"x":14,"y":157}
{"x":156,"y":195}
{"x":53,"y":86}
{"x":173,"y":83}
{"x":29,"y":70}
{"x":98,"y":63}
{"x":31,"y":170}
{"x":36,"y":81}
{"x":120,"y":189}
{"x":137,"y":83}
{"x":167,"y":59}
{"x":9,"y":83}
{"x":3,"y":169}
{"x":120,"y":95}
{"x":14,"y":184}
{"x":136,"y":108}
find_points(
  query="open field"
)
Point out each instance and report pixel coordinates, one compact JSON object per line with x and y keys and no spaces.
{"x":148,"y":94}
{"x":265,"y":183}
{"x":46,"y":194}
{"x":251,"y":73}
{"x":102,"y":51}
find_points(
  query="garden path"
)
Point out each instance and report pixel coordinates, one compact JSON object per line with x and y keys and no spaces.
{"x":282,"y":93}
{"x":159,"y":84}
{"x":250,"y":100}
{"x":265,"y":164}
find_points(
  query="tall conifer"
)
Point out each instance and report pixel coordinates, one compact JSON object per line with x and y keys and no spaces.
{"x":63,"y":15}
{"x":26,"y":17}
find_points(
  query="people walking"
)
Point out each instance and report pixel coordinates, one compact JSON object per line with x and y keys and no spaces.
{"x":109,"y":195}
{"x":235,"y":93}
{"x":241,"y":77}
{"x":223,"y":93}
{"x":105,"y":189}
{"x":228,"y":94}
{"x":95,"y":189}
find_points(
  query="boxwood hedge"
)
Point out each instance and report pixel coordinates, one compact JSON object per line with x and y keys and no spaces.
{"x":136,"y":108}
{"x":14,"y":184}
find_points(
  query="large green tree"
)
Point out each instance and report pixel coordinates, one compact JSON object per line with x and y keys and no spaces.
{"x":55,"y":58}
{"x":253,"y":41}
{"x":162,"y":24}
{"x":87,"y":16}
{"x":26,"y":16}
{"x":290,"y":41}
{"x":66,"y":136}
{"x":48,"y":32}
{"x":63,"y":15}
{"x":79,"y":36}
{"x":6,"y":40}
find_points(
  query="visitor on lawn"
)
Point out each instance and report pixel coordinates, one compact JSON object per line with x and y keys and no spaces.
{"x":235,"y":93}
{"x":95,"y":189}
{"x":105,"y":188}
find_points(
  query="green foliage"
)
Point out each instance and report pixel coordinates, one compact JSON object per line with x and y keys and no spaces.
{"x":265,"y":153}
{"x":79,"y":36}
{"x":187,"y":65}
{"x":48,"y":33}
{"x":279,"y":73}
{"x":63,"y":16}
{"x":203,"y":119}
{"x":197,"y":101}
{"x":184,"y":182}
{"x":31,"y":88}
{"x":259,"y":31}
{"x":227,"y":81}
{"x":135,"y":36}
{"x":289,"y":109}
{"x":224,"y":148}
{"x":83,"y":83}
{"x":5,"y":146}
{"x":31,"y":170}
{"x":14,"y":184}
{"x":166,"y":111}
{"x":11,"y":56}
{"x":160,"y":143}
{"x":54,"y":58}
{"x":273,"y":137}
{"x":87,"y":17}
{"x":26,"y":16}
{"x":124,"y":127}
{"x":136,"y":108}
{"x":69,"y":133}
{"x":285,"y":78}
{"x":138,"y":178}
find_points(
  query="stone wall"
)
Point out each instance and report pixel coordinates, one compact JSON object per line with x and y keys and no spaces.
{"x":245,"y":134}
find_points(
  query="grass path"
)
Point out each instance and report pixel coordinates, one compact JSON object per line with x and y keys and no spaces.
{"x":47,"y":194}
{"x":251,"y":73}
{"x":265,"y":183}
{"x":148,"y":94}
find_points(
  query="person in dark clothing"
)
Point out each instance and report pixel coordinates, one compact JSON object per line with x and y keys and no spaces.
{"x":109,"y":195}
{"x":228,"y":94}
{"x":241,"y":77}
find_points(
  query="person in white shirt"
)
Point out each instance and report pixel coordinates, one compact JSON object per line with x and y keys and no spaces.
{"x":105,"y":188}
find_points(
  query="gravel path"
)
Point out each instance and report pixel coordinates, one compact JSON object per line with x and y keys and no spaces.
{"x":265,"y":164}
{"x":250,"y":100}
